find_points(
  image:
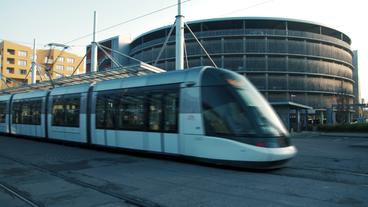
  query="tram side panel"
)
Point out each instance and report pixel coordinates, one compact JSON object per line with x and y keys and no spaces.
{"x":67,"y":113}
{"x":106,"y":126}
{"x":4,"y":113}
{"x":193,"y":140}
{"x":190,"y":122}
{"x":141,"y":118}
{"x":28,"y":114}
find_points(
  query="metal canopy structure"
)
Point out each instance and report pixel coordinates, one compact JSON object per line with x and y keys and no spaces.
{"x":139,"y":69}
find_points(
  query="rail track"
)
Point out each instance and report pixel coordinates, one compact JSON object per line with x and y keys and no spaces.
{"x":127,"y":198}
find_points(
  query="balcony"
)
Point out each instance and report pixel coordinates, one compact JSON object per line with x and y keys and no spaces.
{"x":10,"y":52}
{"x":10,"y":61}
{"x":10,"y":70}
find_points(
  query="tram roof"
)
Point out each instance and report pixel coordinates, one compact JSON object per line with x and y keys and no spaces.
{"x":172,"y":77}
{"x":140,"y":69}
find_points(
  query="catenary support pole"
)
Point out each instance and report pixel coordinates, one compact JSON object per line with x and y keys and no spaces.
{"x":179,"y":62}
{"x":33,"y":66}
{"x":94,"y":46}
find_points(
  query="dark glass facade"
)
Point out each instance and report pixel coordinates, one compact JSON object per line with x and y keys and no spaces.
{"x":287,"y":60}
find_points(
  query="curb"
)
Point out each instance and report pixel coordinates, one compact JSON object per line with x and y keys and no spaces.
{"x":362,"y":144}
{"x":326,"y":134}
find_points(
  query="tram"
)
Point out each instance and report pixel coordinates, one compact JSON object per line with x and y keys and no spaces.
{"x":206,"y":114}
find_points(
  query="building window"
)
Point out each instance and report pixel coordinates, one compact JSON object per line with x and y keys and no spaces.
{"x":256,"y":63}
{"x":58,"y":75}
{"x":70,"y":60}
{"x":22,"y":53}
{"x":258,"y":80}
{"x":48,"y":60}
{"x":22,"y":62}
{"x":277,"y":82}
{"x":10,"y":70}
{"x":70,"y":68}
{"x":11,"y":52}
{"x":10,"y":61}
{"x":60,"y":59}
{"x":60,"y":67}
{"x":23,"y":71}
{"x":276,"y":63}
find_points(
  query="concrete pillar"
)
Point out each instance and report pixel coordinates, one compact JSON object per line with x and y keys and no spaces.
{"x":331,"y":116}
{"x":305,"y":119}
{"x":322,"y":117}
{"x":298,"y":120}
{"x":349,"y":116}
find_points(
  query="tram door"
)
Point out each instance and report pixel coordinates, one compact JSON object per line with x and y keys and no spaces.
{"x":163,"y":121}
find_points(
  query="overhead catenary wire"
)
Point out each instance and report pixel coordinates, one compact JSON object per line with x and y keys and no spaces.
{"x":247,"y":7}
{"x":80,"y":62}
{"x":6,"y":84}
{"x":200,"y":44}
{"x":49,"y":67}
{"x":136,"y":18}
{"x":109,"y":56}
{"x":125,"y":55}
{"x":110,"y":27}
{"x":186,"y":54}
{"x":165,"y":43}
{"x":21,"y":42}
{"x":127,"y":21}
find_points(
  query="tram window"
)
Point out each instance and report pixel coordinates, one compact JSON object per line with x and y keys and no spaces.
{"x":155,"y":112}
{"x":26,"y":116}
{"x":72,"y":108}
{"x":2,"y":112}
{"x":65,"y":110}
{"x":222,"y":113}
{"x":100,"y":111}
{"x":111,"y":107}
{"x":107,"y":109}
{"x":171,"y":112}
{"x":131,"y":114}
{"x":139,"y":109}
{"x":27,"y":112}
{"x":16,"y":113}
{"x":58,"y":111}
{"x":36,"y":112}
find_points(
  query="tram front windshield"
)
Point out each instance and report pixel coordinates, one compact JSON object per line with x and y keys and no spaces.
{"x":232,"y":107}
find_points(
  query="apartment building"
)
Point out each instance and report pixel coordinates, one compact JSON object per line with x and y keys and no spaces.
{"x":15,"y":63}
{"x":58,"y":63}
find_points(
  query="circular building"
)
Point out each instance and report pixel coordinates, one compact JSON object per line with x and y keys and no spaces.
{"x":287,"y":60}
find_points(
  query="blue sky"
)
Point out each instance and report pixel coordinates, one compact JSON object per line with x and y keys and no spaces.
{"x":62,"y":21}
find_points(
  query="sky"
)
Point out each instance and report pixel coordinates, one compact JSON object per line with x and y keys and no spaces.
{"x":63,"y":21}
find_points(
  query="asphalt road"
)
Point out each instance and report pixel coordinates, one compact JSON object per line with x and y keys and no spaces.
{"x":328,"y":171}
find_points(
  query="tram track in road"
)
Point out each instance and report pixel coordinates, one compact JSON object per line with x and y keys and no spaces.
{"x":325,"y":174}
{"x":21,"y":196}
{"x":127,"y":198}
